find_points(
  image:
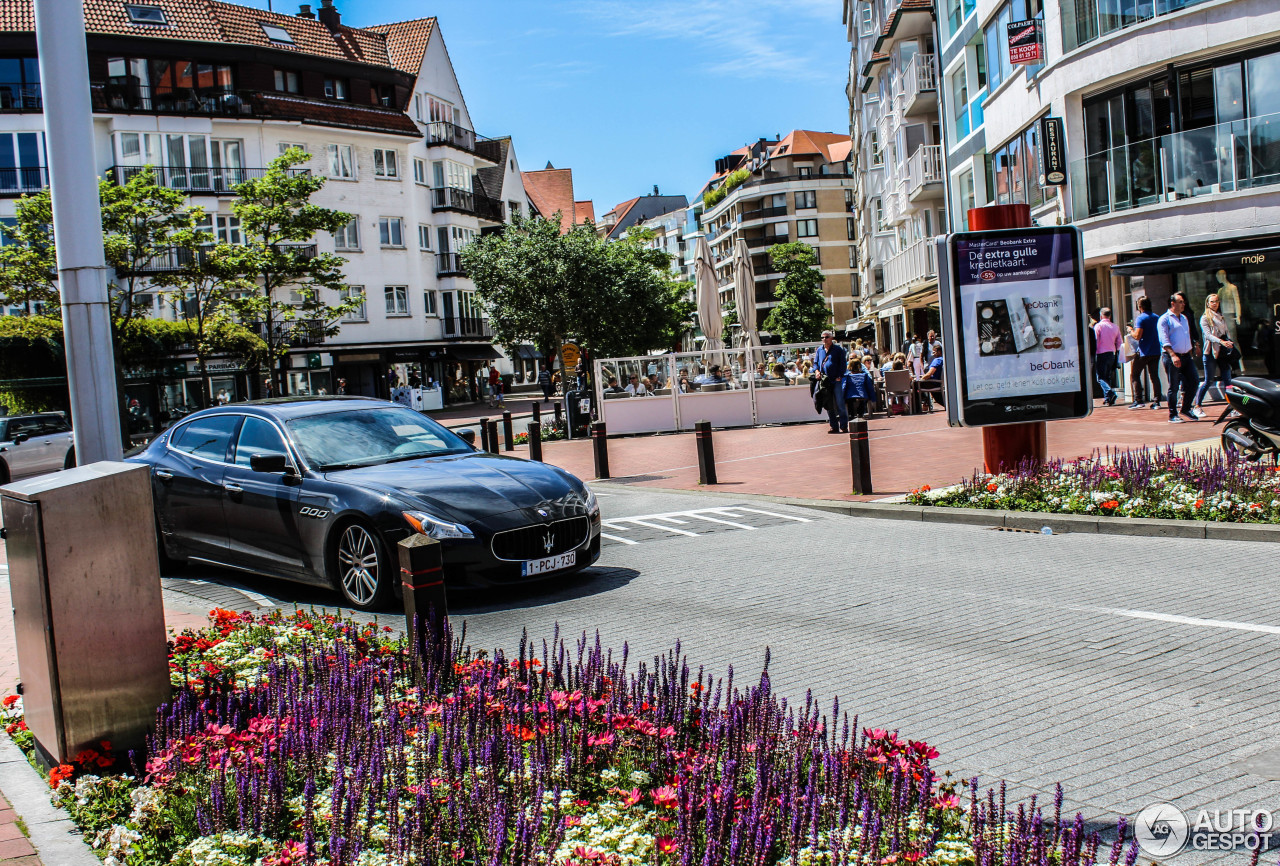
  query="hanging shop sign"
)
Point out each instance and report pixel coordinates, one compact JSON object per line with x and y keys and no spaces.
{"x":572,"y":355}
{"x":1026,"y":42}
{"x":1053,"y":152}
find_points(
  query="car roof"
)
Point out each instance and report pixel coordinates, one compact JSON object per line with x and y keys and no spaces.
{"x":285,"y":408}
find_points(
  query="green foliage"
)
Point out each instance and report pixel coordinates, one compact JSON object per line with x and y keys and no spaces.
{"x":729,"y":317}
{"x":712,"y":197}
{"x":27,"y":266}
{"x":801,"y":313}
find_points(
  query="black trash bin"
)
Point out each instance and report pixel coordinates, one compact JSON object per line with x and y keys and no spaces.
{"x":578,"y":406}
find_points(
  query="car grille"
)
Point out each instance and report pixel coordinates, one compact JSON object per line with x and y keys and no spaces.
{"x":530,"y":542}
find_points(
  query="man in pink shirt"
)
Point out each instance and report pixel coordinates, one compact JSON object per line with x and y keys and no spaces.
{"x":1109,"y":341}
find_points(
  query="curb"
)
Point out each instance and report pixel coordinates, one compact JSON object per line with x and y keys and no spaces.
{"x":1060,"y":523}
{"x":51,"y":832}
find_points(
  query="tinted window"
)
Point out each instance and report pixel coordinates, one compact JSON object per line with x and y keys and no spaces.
{"x":207,"y":437}
{"x":365,"y":437}
{"x":50,"y":424}
{"x":257,"y":437}
{"x":24,"y":426}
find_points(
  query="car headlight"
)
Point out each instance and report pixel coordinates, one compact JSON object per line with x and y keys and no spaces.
{"x":592,"y":506}
{"x":441,"y":529}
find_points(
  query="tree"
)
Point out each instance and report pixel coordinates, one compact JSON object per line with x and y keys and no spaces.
{"x":27,"y":265}
{"x":801,"y":313}
{"x":296,"y":291}
{"x":728,"y":318}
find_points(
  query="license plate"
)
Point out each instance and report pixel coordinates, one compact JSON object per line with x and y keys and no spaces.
{"x":551,"y":563}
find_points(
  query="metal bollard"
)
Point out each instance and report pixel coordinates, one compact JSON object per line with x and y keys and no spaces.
{"x":484,"y":434}
{"x":600,"y":446}
{"x":537,"y":412}
{"x":559,"y":410}
{"x":493,"y":437}
{"x":426,"y":608}
{"x":535,"y":441}
{"x":706,"y":453}
{"x":860,"y":456}
{"x":508,"y":438}
{"x":467,"y":435}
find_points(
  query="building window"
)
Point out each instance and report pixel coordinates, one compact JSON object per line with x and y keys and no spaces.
{"x":851,"y":226}
{"x":429,"y":303}
{"x":866,"y":19}
{"x":513,"y":207}
{"x":452,"y":174}
{"x":397,"y":300}
{"x":804,"y":170}
{"x":996,"y":37}
{"x":283,"y":146}
{"x":806,"y":228}
{"x":389,"y":232}
{"x":276,"y":34}
{"x":419,"y":171}
{"x":424,"y":238}
{"x":335,"y":88}
{"x":348,"y":238}
{"x":286,"y":81}
{"x":853,"y":260}
{"x":342,"y":162}
{"x":360,"y":313}
{"x":877,"y":210}
{"x":877,"y":152}
{"x":222,"y":228}
{"x":417,"y":106}
{"x":958,"y":11}
{"x":806,"y":199}
{"x":1015,"y":170}
{"x":145,"y":14}
{"x":385,"y":163}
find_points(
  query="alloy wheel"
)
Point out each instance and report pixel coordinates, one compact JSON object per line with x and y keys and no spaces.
{"x":358,"y":565}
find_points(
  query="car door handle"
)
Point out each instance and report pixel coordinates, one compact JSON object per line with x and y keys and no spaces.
{"x":164,"y":474}
{"x":232,"y":488}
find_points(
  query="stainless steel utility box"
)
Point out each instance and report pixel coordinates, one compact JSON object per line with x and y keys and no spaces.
{"x":87,"y":608}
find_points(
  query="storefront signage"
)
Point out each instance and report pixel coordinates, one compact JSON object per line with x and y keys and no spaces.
{"x":363,"y":356}
{"x":1026,"y":42}
{"x":1013,"y":302}
{"x":404,"y":356}
{"x":571,"y":355}
{"x":1053,"y":152}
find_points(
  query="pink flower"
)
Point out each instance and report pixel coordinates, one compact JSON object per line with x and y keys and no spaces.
{"x":665,"y":797}
{"x":630,"y":798}
{"x":605,"y":739}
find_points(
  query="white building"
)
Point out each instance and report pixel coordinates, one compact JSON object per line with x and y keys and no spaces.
{"x":210,"y":92}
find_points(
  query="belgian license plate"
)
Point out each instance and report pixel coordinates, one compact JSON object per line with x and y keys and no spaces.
{"x":551,"y":563}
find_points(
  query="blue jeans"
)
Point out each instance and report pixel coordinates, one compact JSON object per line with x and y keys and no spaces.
{"x":1104,"y":367}
{"x":1223,"y":375}
{"x":1184,"y":375}
{"x":837,"y":411}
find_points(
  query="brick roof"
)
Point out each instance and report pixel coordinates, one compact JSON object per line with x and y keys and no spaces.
{"x":584,"y":211}
{"x":831,"y":146}
{"x":407,"y":42}
{"x":242,"y":25}
{"x":551,"y":190}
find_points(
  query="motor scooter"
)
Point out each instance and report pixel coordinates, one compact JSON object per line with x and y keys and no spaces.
{"x":1253,"y":418}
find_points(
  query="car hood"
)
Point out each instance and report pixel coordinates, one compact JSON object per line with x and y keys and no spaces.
{"x":470,"y":487}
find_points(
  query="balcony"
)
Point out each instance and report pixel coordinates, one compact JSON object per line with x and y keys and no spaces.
{"x":18,"y":97}
{"x":22,"y":181}
{"x":764,"y":213}
{"x":130,"y":98}
{"x":204,"y":180}
{"x":449,"y":265}
{"x":467,"y":328}
{"x":490,"y":209}
{"x":1233,"y":156}
{"x":297,"y":332}
{"x":914,"y":266}
{"x":446,"y":134}
{"x":445,"y":198}
{"x":766,"y":242}
{"x":181,"y":258}
{"x":925,"y":173}
{"x":920,"y":87}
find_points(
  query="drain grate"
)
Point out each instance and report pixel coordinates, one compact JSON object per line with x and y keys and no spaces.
{"x":1013,"y":529}
{"x":633,"y":479}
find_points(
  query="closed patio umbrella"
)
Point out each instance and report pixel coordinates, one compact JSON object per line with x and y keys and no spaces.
{"x":744,"y":291}
{"x":708,"y":295}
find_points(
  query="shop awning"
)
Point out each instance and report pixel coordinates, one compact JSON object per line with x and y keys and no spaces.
{"x":1233,"y":259}
{"x":529,"y":353}
{"x":474,"y":352}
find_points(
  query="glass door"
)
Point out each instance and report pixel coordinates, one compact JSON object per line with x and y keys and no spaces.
{"x":21,"y":161}
{"x":228,"y":163}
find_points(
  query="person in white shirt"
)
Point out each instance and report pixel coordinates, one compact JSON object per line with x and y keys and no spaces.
{"x":635,"y":387}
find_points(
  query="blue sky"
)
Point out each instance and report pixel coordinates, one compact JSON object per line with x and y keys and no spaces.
{"x":632,"y":93}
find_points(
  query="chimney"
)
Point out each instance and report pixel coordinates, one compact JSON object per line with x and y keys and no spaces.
{"x":329,"y":16}
{"x":304,"y":11}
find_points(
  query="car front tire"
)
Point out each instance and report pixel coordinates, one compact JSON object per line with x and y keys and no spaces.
{"x":70,"y":462}
{"x":360,"y":568}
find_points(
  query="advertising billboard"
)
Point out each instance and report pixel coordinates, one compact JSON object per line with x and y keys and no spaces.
{"x":1026,"y":42}
{"x":1013,"y":305}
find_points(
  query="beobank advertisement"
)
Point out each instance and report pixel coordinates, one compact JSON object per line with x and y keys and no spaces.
{"x":1020,"y":316}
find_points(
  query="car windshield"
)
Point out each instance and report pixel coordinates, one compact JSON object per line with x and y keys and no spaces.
{"x":367,"y":437}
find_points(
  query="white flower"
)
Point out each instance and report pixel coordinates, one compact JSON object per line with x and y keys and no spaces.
{"x":639,"y":777}
{"x":609,"y":776}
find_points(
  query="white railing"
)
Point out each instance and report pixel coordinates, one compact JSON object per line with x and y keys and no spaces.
{"x":925,"y":166}
{"x":915,"y":265}
{"x":919,"y":77}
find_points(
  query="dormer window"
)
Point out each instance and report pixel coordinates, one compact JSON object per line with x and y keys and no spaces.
{"x":276,"y":34}
{"x":145,"y":14}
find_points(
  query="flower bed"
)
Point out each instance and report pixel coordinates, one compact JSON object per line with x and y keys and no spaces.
{"x":1139,"y":483}
{"x":311,"y":739}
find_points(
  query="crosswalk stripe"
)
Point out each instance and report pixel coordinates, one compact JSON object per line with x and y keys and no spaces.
{"x":617,"y":538}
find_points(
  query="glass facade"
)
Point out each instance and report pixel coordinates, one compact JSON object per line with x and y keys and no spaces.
{"x":1083,"y":21}
{"x":1250,"y":298}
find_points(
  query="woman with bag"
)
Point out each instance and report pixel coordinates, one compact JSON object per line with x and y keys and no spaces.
{"x":1219,"y":351}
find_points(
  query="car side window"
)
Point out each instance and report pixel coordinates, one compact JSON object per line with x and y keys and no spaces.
{"x":208,"y":437}
{"x":258,"y":437}
{"x":24,"y":426}
{"x":51,"y":424}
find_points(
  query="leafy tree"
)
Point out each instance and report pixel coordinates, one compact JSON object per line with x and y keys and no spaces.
{"x":729,"y":318}
{"x":296,"y":291}
{"x":802,"y":312}
{"x":27,"y":266}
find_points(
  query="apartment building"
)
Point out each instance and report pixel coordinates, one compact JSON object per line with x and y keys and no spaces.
{"x":797,"y":188}
{"x":635,"y":211}
{"x":209,"y":92}
{"x":669,"y":237}
{"x":1171,"y":113}
{"x":899,"y":196}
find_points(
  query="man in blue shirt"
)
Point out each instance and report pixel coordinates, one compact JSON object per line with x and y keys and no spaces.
{"x":930,"y":383}
{"x":830,"y":362}
{"x":1179,"y":366}
{"x":1144,"y":333}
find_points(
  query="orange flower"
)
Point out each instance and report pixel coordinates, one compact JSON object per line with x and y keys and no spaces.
{"x":1109,"y":505}
{"x":60,"y":774}
{"x":992,"y":487}
{"x":1199,"y":503}
{"x":10,"y":700}
{"x":926,"y":488}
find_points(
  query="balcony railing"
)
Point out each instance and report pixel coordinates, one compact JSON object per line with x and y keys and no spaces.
{"x":20,"y":181}
{"x":180,"y":258}
{"x":128,"y":97}
{"x":467,"y":328}
{"x":490,"y":209}
{"x":916,"y":265}
{"x":764,"y":213}
{"x":299,"y":332}
{"x":449,"y":265}
{"x":443,"y":132}
{"x":204,"y":180}
{"x":757,"y":243}
{"x":18,"y":97}
{"x":1237,"y":155}
{"x":924,"y":168}
{"x":919,"y":84}
{"x":452,"y":198}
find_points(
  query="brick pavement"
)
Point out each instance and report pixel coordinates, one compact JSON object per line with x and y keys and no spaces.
{"x":15,"y":848}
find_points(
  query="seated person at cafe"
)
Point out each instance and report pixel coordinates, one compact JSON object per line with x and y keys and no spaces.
{"x":761,"y":373}
{"x":654,"y":383}
{"x":931,"y":382}
{"x":613,"y":387}
{"x":780,"y":373}
{"x":636,"y":386}
{"x":711,"y":377}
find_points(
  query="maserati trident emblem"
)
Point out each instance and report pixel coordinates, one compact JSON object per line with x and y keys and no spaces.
{"x":548,"y":541}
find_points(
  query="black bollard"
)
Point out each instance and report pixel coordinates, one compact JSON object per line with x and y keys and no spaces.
{"x":537,"y":412}
{"x":467,"y":435}
{"x":706,"y":453}
{"x":535,"y":441}
{"x":493,"y":437}
{"x":600,"y":446}
{"x":426,"y":608}
{"x":484,"y":434}
{"x":508,"y":438}
{"x":860,"y":456}
{"x":559,"y":410}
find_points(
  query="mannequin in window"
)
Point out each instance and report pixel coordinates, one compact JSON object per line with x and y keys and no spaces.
{"x":1229,"y":299}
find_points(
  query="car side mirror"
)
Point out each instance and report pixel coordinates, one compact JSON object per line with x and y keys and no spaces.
{"x":273,"y":463}
{"x":19,"y":438}
{"x":468,"y":435}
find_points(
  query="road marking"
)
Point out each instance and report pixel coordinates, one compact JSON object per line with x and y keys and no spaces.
{"x":1193,"y":620}
{"x":673,"y":520}
{"x":641,"y":522}
{"x":768,"y":513}
{"x":726,"y":522}
{"x":617,"y":538}
{"x":663,"y":522}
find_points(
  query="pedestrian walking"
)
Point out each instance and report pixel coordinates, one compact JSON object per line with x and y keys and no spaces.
{"x":915,"y":351}
{"x":1147,"y":362}
{"x":1179,"y":365}
{"x":1109,"y":346}
{"x":544,"y":382}
{"x":1219,"y":351}
{"x":830,"y":364}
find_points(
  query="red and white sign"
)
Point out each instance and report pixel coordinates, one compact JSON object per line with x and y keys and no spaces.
{"x":1026,"y":42}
